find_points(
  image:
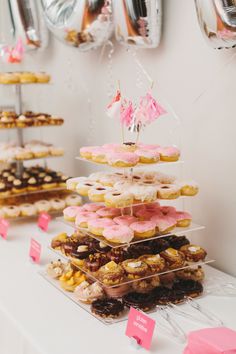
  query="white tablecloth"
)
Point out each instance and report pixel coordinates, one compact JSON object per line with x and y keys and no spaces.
{"x":35,"y":318}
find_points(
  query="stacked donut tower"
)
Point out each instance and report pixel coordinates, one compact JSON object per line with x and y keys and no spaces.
{"x":21,"y":187}
{"x":123,"y":252}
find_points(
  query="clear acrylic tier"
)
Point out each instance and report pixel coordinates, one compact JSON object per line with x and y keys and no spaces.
{"x":178,"y":231}
{"x":159,"y":163}
{"x":128,"y":280}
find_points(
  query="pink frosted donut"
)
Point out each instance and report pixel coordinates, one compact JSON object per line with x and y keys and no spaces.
{"x":143,"y":229}
{"x":148,"y":156}
{"x":145,"y":215}
{"x":93,"y":207}
{"x":122,"y":159}
{"x":99,"y":154}
{"x":71,"y":212}
{"x":125,"y":220}
{"x":169,"y":153}
{"x":168,"y":210}
{"x":86,"y":151}
{"x":183,"y":218}
{"x":137,"y":209}
{"x":83,"y":217}
{"x":153,"y":206}
{"x":118,"y":234}
{"x":164,"y":223}
{"x":112,"y":146}
{"x":148,"y":146}
{"x":97,"y":225}
{"x":106,"y":212}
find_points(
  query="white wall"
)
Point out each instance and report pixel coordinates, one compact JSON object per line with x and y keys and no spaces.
{"x":183,"y":68}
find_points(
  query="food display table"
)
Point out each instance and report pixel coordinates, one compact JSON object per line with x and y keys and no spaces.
{"x":37,"y":319}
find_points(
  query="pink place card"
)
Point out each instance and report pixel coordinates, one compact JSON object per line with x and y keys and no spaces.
{"x":35,"y":250}
{"x":43,"y":221}
{"x":140,"y":327}
{"x":4,"y":226}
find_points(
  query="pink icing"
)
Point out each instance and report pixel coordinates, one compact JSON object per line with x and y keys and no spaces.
{"x":153,"y":207}
{"x":148,"y":153}
{"x":125,"y":220}
{"x":146,"y":214}
{"x":112,"y":146}
{"x":138,"y":209}
{"x":168,"y":210}
{"x":148,"y":146}
{"x":128,"y":157}
{"x":118,"y":232}
{"x":88,"y":149}
{"x":100,"y":151}
{"x":143,"y":226}
{"x":100,"y":223}
{"x":163,"y":222}
{"x":108,"y":212}
{"x":84,"y":216}
{"x":93,"y":207}
{"x":169,"y":151}
{"x":182,"y":215}
{"x":72,"y":211}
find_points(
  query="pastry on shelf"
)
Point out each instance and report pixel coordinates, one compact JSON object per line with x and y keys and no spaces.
{"x":135,"y":268}
{"x":111,"y":273}
{"x":87,"y":293}
{"x":174,"y":259}
{"x":196,"y":274}
{"x":55,"y":269}
{"x":107,"y":308}
{"x":190,"y":287}
{"x":193,"y":253}
{"x":140,"y":301}
{"x":26,"y":119}
{"x":24,"y":77}
{"x":71,"y":278}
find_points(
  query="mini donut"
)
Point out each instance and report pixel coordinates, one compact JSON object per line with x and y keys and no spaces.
{"x":148,"y":146}
{"x":27,"y":209}
{"x":144,"y":194}
{"x":111,"y":274}
{"x":168,"y":191}
{"x":118,"y":234}
{"x":11,"y":211}
{"x":135,"y":268}
{"x":93,"y":207}
{"x":122,"y":159}
{"x":57,"y":204}
{"x":86,"y":151}
{"x":110,"y":179}
{"x":106,"y":212}
{"x":125,"y":220}
{"x":118,"y":199}
{"x":143,"y":229}
{"x":153,"y":207}
{"x":42,"y":205}
{"x":123,"y":186}
{"x":193,"y":253}
{"x":97,"y":225}
{"x":71,"y":212}
{"x":73,"y":200}
{"x":145,"y":215}
{"x":71,"y":183}
{"x":148,"y":156}
{"x":174,"y":259}
{"x":96,"y":176}
{"x":169,"y":153}
{"x":164,"y":224}
{"x":155,"y":262}
{"x":97,"y":193}
{"x":99,"y":155}
{"x":83,"y":217}
{"x":183,"y":218}
{"x":83,"y":187}
{"x":163,"y":178}
{"x":188,"y":188}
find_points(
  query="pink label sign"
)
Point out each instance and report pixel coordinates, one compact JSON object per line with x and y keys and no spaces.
{"x":140,"y":327}
{"x":35,"y":250}
{"x":4,"y":226}
{"x":43,"y":221}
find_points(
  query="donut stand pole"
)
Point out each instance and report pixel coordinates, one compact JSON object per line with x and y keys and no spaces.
{"x":18,"y":109}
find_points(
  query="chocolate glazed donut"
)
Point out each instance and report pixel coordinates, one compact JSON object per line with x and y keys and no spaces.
{"x":107,"y":308}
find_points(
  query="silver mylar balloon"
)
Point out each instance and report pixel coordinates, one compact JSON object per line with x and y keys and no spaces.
{"x":138,"y":22}
{"x":84,"y":24}
{"x":29,"y":24}
{"x":217,"y":19}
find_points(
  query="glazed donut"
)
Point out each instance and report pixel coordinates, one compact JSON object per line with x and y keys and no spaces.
{"x":83,"y":217}
{"x":148,"y":156}
{"x":83,"y":187}
{"x":97,"y":225}
{"x":71,"y":212}
{"x":122,"y":159}
{"x":143,"y":229}
{"x":97,"y":193}
{"x":42,"y":205}
{"x":57,"y":204}
{"x":27,"y":209}
{"x":118,"y":199}
{"x":11,"y":211}
{"x":168,"y":191}
{"x":118,"y":234}
{"x":169,"y":153}
{"x":144,"y":194}
{"x":73,"y":200}
{"x":71,"y":183}
{"x":96,"y":176}
{"x":188,"y":188}
{"x":163,"y":178}
{"x":108,"y":212}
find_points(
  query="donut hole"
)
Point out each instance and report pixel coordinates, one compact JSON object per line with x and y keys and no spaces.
{"x":165,"y":187}
{"x":100,"y":189}
{"x":116,"y":194}
{"x":88,"y":184}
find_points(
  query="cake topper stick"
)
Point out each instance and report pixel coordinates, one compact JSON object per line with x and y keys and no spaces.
{"x":122,"y":127}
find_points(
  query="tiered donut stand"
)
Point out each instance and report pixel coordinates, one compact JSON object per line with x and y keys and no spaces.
{"x":178,"y":231}
{"x":19,"y":164}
